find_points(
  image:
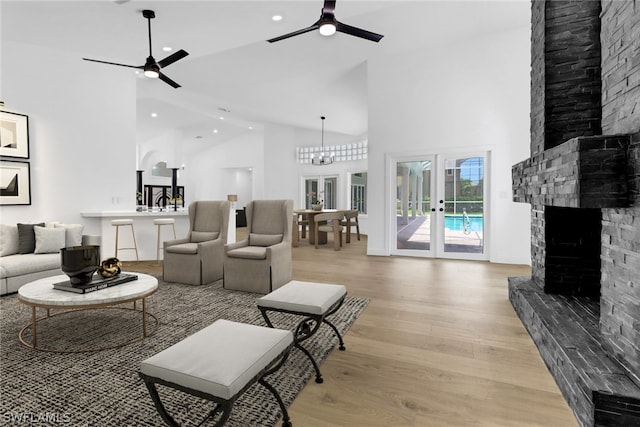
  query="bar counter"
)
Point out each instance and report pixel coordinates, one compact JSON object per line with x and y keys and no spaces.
{"x":144,"y":228}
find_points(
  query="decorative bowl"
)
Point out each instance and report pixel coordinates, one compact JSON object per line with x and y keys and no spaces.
{"x":79,"y":263}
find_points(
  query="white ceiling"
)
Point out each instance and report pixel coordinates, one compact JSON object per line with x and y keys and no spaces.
{"x":231,"y":66}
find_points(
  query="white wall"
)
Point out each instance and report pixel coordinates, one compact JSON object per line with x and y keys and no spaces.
{"x":82,"y":123}
{"x":209,"y":170}
{"x":466,"y":96}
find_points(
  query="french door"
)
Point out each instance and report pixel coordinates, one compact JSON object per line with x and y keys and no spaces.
{"x":321,"y":188}
{"x":439,"y":207}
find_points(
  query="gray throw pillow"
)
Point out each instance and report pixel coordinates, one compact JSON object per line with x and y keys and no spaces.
{"x":27,"y":238}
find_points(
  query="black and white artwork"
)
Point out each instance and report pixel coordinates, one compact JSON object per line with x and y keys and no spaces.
{"x":15,"y":185}
{"x":14,"y":135}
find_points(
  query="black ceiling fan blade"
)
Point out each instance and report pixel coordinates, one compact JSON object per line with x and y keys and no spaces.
{"x":329,"y":6}
{"x":358,"y":32}
{"x":167,"y":80}
{"x":295,"y":33}
{"x":173,"y":58}
{"x":115,"y":63}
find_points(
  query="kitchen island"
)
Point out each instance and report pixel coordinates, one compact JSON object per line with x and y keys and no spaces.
{"x":146,"y":231}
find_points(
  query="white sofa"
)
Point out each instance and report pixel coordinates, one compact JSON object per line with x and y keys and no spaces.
{"x":17,"y":267}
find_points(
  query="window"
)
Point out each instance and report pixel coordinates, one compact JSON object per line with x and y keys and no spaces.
{"x":359,"y":191}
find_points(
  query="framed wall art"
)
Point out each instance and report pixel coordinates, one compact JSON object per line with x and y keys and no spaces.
{"x":14,"y":135}
{"x":15,"y":183}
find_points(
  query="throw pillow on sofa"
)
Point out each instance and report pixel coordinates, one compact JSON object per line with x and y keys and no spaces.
{"x":49,"y":240}
{"x":8,"y":239}
{"x":27,"y":238}
{"x":73,"y":234}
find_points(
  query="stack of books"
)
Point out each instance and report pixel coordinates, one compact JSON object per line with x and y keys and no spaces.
{"x":96,"y":284}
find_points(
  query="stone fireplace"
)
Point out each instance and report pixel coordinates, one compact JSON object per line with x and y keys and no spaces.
{"x":581,"y":305}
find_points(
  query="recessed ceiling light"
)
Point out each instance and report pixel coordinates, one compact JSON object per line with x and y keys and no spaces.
{"x":215,"y":131}
{"x":167,"y":48}
{"x":221,"y":118}
{"x":276,"y":18}
{"x":154,"y":115}
{"x":250,"y":127}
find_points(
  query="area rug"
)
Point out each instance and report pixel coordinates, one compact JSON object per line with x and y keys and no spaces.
{"x":103,"y":388}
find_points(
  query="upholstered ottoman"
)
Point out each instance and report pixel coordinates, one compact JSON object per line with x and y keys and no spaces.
{"x":314,"y":301}
{"x":219,"y":363}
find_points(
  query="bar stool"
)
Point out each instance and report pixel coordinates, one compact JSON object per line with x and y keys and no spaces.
{"x":160,"y":222}
{"x":117,"y":223}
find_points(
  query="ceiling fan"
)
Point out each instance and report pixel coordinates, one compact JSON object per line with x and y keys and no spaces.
{"x":151,"y":67}
{"x":328,"y":24}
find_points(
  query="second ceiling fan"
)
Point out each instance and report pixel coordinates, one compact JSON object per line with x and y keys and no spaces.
{"x":328,"y":24}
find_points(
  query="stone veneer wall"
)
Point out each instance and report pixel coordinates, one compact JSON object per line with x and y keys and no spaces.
{"x":565,"y":90}
{"x":620,"y":284}
{"x":572,"y":70}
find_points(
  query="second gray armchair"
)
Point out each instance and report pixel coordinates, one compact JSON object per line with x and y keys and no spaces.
{"x":198,"y":258}
{"x":262,"y":262}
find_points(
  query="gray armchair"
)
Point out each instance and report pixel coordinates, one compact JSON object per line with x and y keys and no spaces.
{"x":198,"y":258}
{"x":262,"y":262}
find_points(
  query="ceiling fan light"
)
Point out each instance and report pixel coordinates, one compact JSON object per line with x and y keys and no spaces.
{"x":152,"y":74}
{"x":327,"y":29}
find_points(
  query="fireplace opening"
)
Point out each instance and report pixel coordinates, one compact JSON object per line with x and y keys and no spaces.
{"x":572,"y":262}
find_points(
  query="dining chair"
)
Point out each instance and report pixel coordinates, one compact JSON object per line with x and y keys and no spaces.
{"x":346,"y":222}
{"x":329,"y":223}
{"x":303,"y":223}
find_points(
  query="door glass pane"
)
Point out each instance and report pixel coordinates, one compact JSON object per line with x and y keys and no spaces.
{"x":413,"y":205}
{"x":311,"y":191}
{"x":330,"y":190}
{"x":359,"y":192}
{"x":464,"y":205}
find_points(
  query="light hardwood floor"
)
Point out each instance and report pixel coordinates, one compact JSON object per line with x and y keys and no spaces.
{"x":438,"y":345}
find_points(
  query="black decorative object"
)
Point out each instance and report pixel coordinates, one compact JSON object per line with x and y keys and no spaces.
{"x":79,"y":263}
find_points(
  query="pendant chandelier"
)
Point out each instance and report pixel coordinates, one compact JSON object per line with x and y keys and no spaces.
{"x":322,"y":159}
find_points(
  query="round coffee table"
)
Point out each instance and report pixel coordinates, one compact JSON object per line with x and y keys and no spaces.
{"x":41,"y":294}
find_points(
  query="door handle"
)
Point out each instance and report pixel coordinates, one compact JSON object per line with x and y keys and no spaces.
{"x":441,"y":209}
{"x":433,"y":209}
{"x":441,"y":201}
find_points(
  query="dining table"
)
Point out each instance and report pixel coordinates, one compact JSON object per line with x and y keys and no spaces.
{"x":310,"y":214}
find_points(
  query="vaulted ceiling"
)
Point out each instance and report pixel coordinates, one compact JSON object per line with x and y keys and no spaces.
{"x":231,"y":70}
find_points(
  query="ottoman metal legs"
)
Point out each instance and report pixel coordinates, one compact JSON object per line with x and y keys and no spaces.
{"x":315,"y":302}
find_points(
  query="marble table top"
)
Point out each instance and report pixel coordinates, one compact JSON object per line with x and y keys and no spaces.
{"x":41,"y":293}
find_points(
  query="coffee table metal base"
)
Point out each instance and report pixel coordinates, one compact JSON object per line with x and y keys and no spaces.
{"x":41,"y":294}
{"x":34,"y":326}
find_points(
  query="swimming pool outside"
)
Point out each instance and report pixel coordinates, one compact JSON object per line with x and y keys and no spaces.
{"x":456,"y":223}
